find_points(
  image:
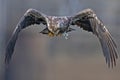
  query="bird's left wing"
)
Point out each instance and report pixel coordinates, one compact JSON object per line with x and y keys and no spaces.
{"x":88,"y":20}
{"x":31,"y":17}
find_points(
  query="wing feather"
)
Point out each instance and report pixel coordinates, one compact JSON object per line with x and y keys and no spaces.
{"x":88,"y":20}
{"x":31,"y":17}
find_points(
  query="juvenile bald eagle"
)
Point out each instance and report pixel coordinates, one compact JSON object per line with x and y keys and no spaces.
{"x":86,"y":19}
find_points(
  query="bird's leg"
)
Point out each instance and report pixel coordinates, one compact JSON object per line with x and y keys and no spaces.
{"x":65,"y":34}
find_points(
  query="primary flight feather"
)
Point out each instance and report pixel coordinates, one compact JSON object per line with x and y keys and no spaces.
{"x":86,"y":19}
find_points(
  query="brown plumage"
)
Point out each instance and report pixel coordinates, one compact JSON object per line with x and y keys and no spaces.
{"x":86,"y":19}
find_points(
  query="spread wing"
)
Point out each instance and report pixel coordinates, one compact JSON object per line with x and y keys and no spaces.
{"x":88,"y":20}
{"x":31,"y":17}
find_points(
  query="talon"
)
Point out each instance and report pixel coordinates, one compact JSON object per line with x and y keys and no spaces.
{"x":50,"y":34}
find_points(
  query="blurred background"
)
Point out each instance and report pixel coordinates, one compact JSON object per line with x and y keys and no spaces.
{"x":38,"y":57}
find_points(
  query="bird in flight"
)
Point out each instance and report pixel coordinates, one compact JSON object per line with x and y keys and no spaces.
{"x":55,"y":26}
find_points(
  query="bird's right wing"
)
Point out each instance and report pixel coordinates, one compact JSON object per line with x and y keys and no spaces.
{"x":31,"y":17}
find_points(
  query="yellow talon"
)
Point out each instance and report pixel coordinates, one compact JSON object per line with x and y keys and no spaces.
{"x":50,"y":34}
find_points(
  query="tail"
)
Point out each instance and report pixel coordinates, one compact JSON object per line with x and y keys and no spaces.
{"x":11,"y":45}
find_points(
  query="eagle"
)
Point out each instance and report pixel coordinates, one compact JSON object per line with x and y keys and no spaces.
{"x":61,"y":25}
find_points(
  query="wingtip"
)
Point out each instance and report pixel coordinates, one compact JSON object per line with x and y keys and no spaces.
{"x":7,"y":59}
